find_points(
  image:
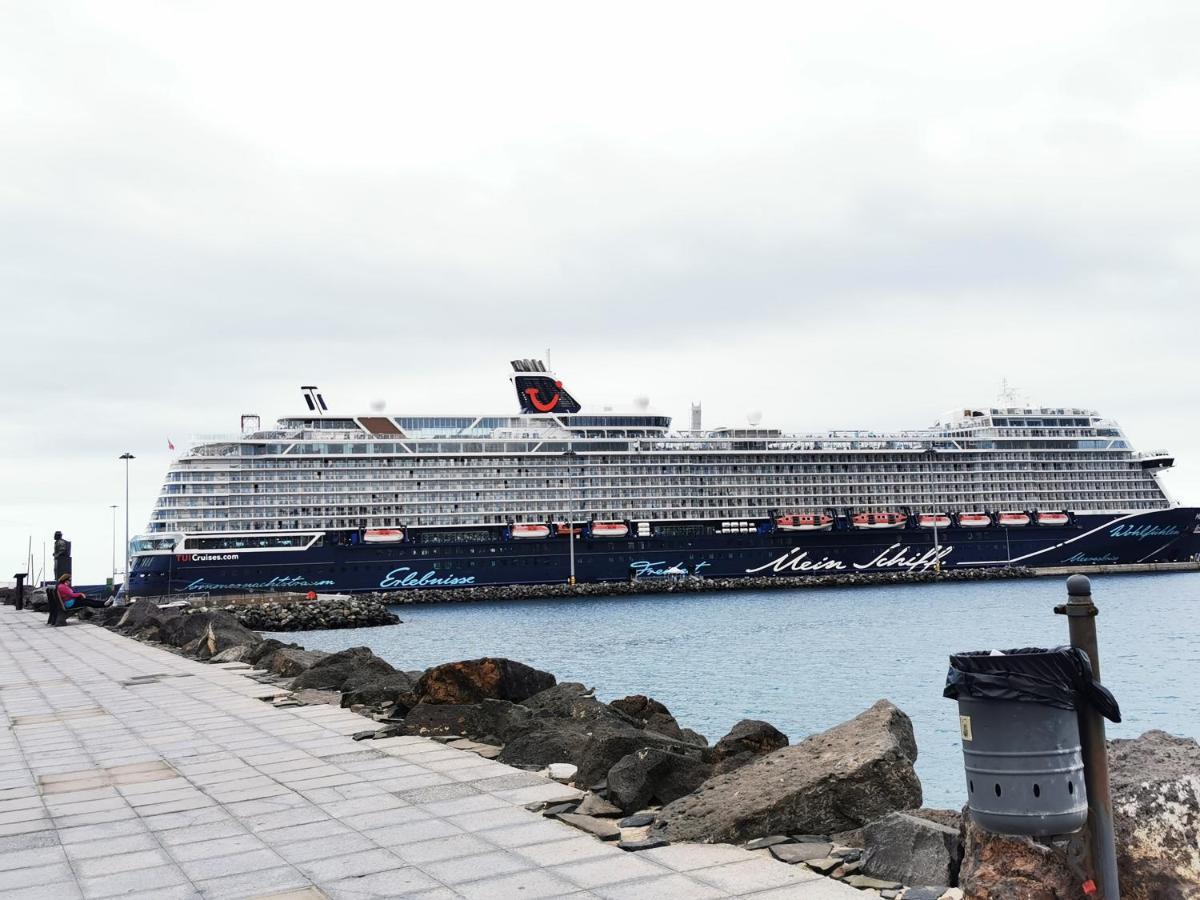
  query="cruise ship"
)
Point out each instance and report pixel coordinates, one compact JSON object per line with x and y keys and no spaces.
{"x":558,"y":492}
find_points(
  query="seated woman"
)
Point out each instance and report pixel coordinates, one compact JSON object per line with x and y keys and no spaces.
{"x":72,"y":599}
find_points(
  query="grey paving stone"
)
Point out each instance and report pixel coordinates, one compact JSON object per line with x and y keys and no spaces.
{"x":119,"y":862}
{"x":252,"y":884}
{"x":753,"y":875}
{"x":324,"y":847}
{"x":28,"y":841}
{"x":606,"y":870}
{"x":433,"y":793}
{"x":62,"y":890}
{"x":538,"y":832}
{"x":101,"y":831}
{"x":456,"y":845}
{"x":32,"y":876}
{"x":570,"y":850}
{"x":127,"y":882}
{"x":670,"y":887}
{"x":326,"y":828}
{"x":473,"y":868}
{"x":221,"y":846}
{"x":337,"y":868}
{"x":528,"y":884}
{"x":409,"y":883}
{"x":126,"y":844}
{"x":411,"y":832}
{"x":211,"y":831}
{"x":235,"y":864}
{"x":33,"y":856}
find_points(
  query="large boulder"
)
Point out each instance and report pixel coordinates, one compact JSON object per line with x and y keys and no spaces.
{"x":260,"y":655}
{"x":142,"y":614}
{"x":393,"y":690}
{"x":290,"y":662}
{"x":181,"y":630}
{"x":541,"y":744}
{"x":654,"y":776}
{"x":1156,"y":808}
{"x":608,"y":741}
{"x":343,"y":670}
{"x":747,"y":740}
{"x":491,"y":722}
{"x":912,"y":850}
{"x":649,"y":714}
{"x":1008,"y":867}
{"x":222,"y":632}
{"x":837,"y":780}
{"x":473,"y":680}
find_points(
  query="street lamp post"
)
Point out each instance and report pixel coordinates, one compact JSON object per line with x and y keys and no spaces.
{"x":127,"y":456}
{"x":113,"y":507}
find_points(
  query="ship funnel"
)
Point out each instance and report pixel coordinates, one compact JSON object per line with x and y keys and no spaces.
{"x":312,"y":396}
{"x":538,"y":391}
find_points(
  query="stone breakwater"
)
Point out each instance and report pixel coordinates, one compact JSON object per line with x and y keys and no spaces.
{"x":845,"y":803}
{"x":305,"y":615}
{"x":692,"y":585}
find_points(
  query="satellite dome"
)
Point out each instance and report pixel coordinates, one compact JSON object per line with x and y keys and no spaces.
{"x":378,"y":405}
{"x":641,"y":402}
{"x":754,"y":417}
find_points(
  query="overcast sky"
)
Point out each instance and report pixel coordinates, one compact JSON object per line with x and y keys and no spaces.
{"x":859,"y":216}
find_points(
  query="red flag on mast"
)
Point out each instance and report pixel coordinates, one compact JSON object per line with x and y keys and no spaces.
{"x":170,"y":446}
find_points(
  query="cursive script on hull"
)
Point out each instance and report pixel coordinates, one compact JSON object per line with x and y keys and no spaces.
{"x":282,"y":582}
{"x":896,"y":556}
{"x":404,"y":577}
{"x":644,"y":568}
{"x":1141,"y":532}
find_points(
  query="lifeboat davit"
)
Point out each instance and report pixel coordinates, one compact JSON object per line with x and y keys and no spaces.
{"x":804,"y":522}
{"x":933,"y":520}
{"x":974,"y":520}
{"x":526,"y":532}
{"x":1013,"y":519}
{"x":383,"y":535}
{"x":1053,"y":518}
{"x":879,"y":520}
{"x":562,"y":529}
{"x":609,"y":529}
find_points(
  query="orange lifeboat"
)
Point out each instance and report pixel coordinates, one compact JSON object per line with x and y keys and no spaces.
{"x":562,"y":529}
{"x":527,"y":532}
{"x":609,"y":529}
{"x":383,"y":535}
{"x":1013,"y":519}
{"x":1053,"y":518}
{"x":974,"y":520}
{"x":933,"y":520}
{"x":804,"y":522}
{"x":879,"y":520}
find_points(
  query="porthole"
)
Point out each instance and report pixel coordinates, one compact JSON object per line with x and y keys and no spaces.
{"x":997,"y":790}
{"x":1037,"y":790}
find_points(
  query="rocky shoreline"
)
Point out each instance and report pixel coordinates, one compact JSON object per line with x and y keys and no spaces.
{"x":845,"y":803}
{"x":692,"y":585}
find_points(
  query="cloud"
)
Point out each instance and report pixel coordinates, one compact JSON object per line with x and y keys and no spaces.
{"x":852,"y":216}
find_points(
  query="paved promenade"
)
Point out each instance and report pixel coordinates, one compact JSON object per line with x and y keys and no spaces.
{"x":128,"y":771}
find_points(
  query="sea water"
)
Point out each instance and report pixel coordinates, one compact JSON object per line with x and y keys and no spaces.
{"x":807,"y":659}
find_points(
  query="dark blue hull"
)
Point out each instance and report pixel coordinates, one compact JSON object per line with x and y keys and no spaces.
{"x":1158,"y":536}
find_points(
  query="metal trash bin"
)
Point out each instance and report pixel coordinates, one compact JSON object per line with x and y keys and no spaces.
{"x":1019,"y":726}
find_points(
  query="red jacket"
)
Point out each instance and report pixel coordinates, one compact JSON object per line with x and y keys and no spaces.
{"x":66,"y":592}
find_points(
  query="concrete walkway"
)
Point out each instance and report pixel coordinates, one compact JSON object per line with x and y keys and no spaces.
{"x":128,"y":771}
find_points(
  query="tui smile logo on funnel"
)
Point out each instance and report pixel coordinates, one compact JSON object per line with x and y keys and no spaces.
{"x":538,"y":390}
{"x":534,"y":395}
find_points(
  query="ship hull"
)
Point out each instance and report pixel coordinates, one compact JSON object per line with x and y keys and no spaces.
{"x":1170,"y":535}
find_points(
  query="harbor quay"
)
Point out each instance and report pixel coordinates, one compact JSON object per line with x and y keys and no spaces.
{"x":131,"y":771}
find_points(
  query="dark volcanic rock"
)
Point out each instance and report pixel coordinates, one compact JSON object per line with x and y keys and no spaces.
{"x":343,"y":670}
{"x":138,"y":612}
{"x":259,"y":656}
{"x":472,"y":680}
{"x":1156,"y":806}
{"x":608,"y":742}
{"x":393,"y":690}
{"x":567,"y":700}
{"x":654,"y":776}
{"x":542,"y":744}
{"x":290,"y":663}
{"x":650,"y":714}
{"x":842,"y":778}
{"x":491,"y":722}
{"x":912,"y":850}
{"x":747,"y":740}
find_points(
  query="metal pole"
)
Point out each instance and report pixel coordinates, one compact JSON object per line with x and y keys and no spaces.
{"x":114,"y":543}
{"x":127,"y":456}
{"x":1081,"y":615}
{"x":937,"y":551}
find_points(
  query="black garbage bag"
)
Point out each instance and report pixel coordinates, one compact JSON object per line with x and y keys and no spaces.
{"x":1060,"y":677}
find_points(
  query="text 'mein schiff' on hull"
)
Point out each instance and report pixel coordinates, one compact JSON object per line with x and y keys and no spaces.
{"x":379,"y":502}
